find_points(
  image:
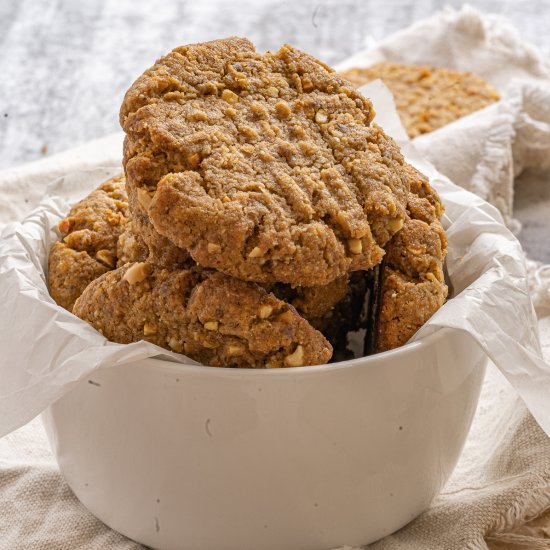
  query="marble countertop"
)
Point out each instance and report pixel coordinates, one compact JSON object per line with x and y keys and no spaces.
{"x":65,"y":65}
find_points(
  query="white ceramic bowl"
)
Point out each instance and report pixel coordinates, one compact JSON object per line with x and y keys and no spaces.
{"x":310,"y":458}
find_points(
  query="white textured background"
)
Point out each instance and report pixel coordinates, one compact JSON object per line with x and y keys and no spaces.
{"x":65,"y":64}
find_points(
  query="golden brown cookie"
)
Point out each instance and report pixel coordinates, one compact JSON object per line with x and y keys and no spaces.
{"x":89,"y":241}
{"x":413,"y":283}
{"x":427,"y":98}
{"x":266,"y":167}
{"x":209,"y":316}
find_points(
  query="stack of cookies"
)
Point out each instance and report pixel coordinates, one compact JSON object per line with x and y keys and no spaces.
{"x":258,"y":205}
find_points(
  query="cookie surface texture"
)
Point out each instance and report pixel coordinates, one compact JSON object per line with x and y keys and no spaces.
{"x":213,"y":318}
{"x":266,"y":167}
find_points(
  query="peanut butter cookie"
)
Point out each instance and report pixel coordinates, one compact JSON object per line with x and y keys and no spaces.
{"x":88,"y":247}
{"x":413,"y":282}
{"x":427,"y":98}
{"x":211,"y":317}
{"x":265,"y":167}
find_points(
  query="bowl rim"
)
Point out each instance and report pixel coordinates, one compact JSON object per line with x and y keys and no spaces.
{"x":359,"y":362}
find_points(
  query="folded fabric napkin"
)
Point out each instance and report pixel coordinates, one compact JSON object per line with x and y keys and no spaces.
{"x":503,"y":477}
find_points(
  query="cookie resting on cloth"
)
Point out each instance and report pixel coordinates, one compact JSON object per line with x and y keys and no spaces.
{"x":427,"y":98}
{"x":213,"y":318}
{"x":266,"y":167}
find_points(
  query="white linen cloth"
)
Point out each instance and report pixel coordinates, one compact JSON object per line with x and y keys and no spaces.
{"x":502,"y":479}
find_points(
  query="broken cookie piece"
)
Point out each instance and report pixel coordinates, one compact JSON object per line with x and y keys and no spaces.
{"x":211,"y":317}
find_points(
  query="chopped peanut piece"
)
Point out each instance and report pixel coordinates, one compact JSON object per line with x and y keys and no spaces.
{"x":198,"y":115}
{"x":265,"y":311}
{"x":286,"y":316}
{"x":143,"y":197}
{"x":256,"y":252}
{"x":175,"y":344}
{"x":355,"y":246}
{"x":106,"y":257}
{"x":295,"y":359}
{"x":137,"y":273}
{"x":211,"y":325}
{"x":396,"y":225}
{"x":417,"y":250}
{"x":320,"y":117}
{"x":234,"y":350}
{"x":149,"y":329}
{"x":230,"y":97}
{"x":283,"y":110}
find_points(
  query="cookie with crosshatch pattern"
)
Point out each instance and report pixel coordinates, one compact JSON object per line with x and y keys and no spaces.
{"x":266,"y":167}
